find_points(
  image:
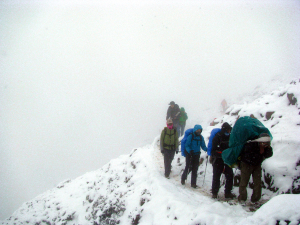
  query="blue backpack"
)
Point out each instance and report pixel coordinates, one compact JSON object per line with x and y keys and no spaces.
{"x":212,"y":134}
{"x":183,"y":141}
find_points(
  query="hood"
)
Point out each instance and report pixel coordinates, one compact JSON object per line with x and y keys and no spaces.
{"x":182,"y":109}
{"x":225,"y":127}
{"x":197,"y":127}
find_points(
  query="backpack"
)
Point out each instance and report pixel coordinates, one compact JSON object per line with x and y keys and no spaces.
{"x":212,"y":135}
{"x":172,"y":147}
{"x":183,"y":141}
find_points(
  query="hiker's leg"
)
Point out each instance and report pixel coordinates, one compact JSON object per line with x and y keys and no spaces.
{"x":167,"y":160}
{"x":256,"y":176}
{"x":246,"y":172}
{"x":195,"y":165}
{"x":217,"y":171}
{"x":229,"y":179}
{"x":187,"y":165}
{"x":182,"y":129}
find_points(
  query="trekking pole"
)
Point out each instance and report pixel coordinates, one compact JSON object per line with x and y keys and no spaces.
{"x":205,"y":170}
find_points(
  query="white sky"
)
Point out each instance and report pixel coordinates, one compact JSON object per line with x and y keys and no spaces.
{"x":82,"y":83}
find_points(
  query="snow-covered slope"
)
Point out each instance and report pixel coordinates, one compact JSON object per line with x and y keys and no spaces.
{"x":132,"y":189}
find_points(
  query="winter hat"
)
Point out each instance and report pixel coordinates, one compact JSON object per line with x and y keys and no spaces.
{"x":172,"y":103}
{"x":263,"y":137}
{"x":169,"y":121}
{"x":226,"y":127}
{"x":182,"y":109}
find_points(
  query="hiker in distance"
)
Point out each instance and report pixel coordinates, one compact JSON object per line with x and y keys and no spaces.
{"x":252,"y":156}
{"x":173,"y":113}
{"x":192,"y":154}
{"x":220,"y":142}
{"x":168,"y":145}
{"x":182,"y":121}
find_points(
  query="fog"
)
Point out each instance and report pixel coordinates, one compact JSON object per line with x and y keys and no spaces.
{"x":82,"y":83}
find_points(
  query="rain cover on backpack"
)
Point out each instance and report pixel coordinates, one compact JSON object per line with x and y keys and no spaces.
{"x":245,"y":128}
{"x":183,"y":141}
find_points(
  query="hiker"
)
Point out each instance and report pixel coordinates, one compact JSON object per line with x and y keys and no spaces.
{"x":220,"y":142}
{"x":169,"y":145}
{"x":224,"y":105}
{"x":252,"y":156}
{"x":182,"y":121}
{"x":192,"y":154}
{"x":173,"y":113}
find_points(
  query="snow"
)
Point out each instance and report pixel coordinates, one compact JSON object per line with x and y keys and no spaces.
{"x":132,"y":189}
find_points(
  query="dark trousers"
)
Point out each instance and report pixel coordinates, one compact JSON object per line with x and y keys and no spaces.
{"x":193,"y":161}
{"x":246,"y":171}
{"x":168,"y":158}
{"x":218,"y":167}
{"x":180,"y":129}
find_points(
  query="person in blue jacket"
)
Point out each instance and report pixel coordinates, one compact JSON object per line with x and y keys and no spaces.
{"x":192,"y":151}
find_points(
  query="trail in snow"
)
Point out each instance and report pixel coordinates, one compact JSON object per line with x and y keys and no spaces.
{"x":203,"y":180}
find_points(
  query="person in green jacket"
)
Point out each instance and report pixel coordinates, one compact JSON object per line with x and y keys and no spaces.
{"x":182,"y":121}
{"x":169,"y":145}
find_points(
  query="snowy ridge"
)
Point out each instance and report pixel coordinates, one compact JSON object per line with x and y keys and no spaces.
{"x":133,"y":190}
{"x":282,"y":118}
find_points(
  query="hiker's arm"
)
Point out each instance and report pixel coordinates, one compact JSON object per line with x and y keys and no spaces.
{"x":214,"y":147}
{"x":188,"y":144}
{"x":268,"y":152}
{"x":168,"y":113}
{"x":176,"y":140}
{"x":162,"y":139}
{"x":203,"y":145}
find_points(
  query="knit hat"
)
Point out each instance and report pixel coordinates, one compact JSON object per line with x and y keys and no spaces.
{"x":169,"y":121}
{"x":263,"y":137}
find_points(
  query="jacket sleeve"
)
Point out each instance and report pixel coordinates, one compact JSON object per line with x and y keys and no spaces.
{"x":268,"y":152}
{"x":188,"y":143}
{"x":203,"y":145}
{"x":162,"y":136}
{"x":214,"y":147}
{"x":168,"y":113}
{"x":176,"y":141}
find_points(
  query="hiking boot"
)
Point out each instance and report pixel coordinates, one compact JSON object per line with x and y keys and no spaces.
{"x":230,"y":195}
{"x":183,"y":181}
{"x":194,"y":186}
{"x":168,"y":177}
{"x":215,"y":196}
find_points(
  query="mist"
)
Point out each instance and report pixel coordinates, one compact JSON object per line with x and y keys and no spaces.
{"x":82,"y":83}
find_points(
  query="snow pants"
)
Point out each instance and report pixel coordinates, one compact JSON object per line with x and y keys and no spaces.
{"x":168,"y":158}
{"x":246,"y":171}
{"x":193,"y":161}
{"x":218,"y":167}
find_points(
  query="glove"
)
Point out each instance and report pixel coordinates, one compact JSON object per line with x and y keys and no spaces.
{"x":210,"y":160}
{"x":162,"y":151}
{"x":176,"y":152}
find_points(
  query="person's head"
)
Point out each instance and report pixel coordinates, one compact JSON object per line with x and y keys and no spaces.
{"x":198,"y":129}
{"x":226,"y":128}
{"x":182,"y":109}
{"x":170,"y":123}
{"x":263,"y":139}
{"x":172,"y":104}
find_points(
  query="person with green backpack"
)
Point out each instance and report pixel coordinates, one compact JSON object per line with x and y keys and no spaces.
{"x":182,"y":121}
{"x":169,"y":145}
